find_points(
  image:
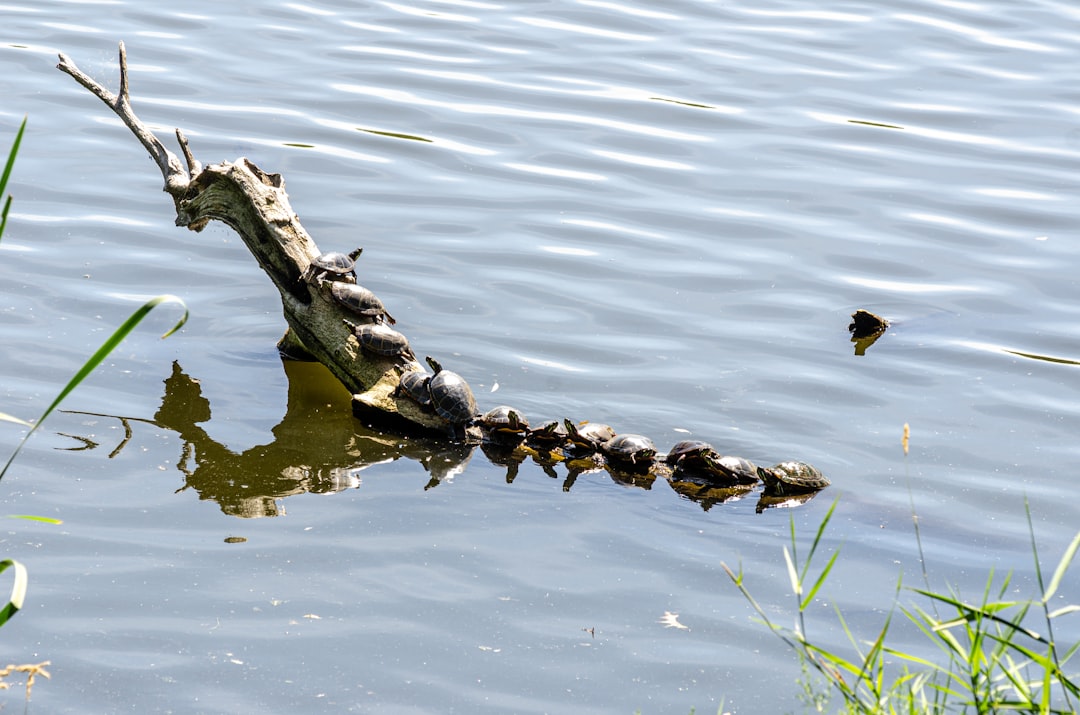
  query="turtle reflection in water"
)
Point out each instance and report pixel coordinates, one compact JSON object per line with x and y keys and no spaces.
{"x":707,"y":492}
{"x":505,"y":454}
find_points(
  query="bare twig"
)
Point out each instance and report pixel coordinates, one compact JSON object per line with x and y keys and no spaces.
{"x":194,"y":167}
{"x":176,"y":179}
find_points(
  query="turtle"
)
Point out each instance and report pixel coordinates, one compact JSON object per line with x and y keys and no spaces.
{"x":333,"y":266}
{"x":632,"y":448}
{"x":733,"y":469}
{"x":379,"y":339}
{"x":450,"y":396}
{"x":589,"y":436}
{"x":690,"y":455}
{"x":414,"y":385}
{"x":548,"y":436}
{"x":792,"y":478}
{"x":360,"y":300}
{"x":504,"y":423}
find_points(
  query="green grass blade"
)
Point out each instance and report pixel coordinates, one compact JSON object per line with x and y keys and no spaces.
{"x":11,"y":157}
{"x":31,"y":517}
{"x":107,"y":347}
{"x":969,"y":613}
{"x":18,"y":590}
{"x":4,"y":215}
{"x":793,"y":574}
{"x":817,"y":537}
{"x":1062,"y":567}
{"x":1073,"y":608}
{"x":820,"y":581}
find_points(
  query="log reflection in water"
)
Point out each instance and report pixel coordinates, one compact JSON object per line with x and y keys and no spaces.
{"x":320,"y":448}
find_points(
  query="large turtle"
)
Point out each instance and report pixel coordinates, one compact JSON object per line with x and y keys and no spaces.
{"x":333,"y":266}
{"x":360,"y":300}
{"x":503,"y":424}
{"x":792,"y":478}
{"x":451,"y":397}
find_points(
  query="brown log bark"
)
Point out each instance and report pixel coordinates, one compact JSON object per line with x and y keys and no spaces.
{"x":254,"y":204}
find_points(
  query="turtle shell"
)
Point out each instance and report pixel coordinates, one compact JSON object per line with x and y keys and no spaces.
{"x":450,"y":395}
{"x":379,"y":339}
{"x":505,"y":422}
{"x":633,"y":448}
{"x":792,"y":478}
{"x":589,"y":436}
{"x":360,"y":300}
{"x":414,"y":385}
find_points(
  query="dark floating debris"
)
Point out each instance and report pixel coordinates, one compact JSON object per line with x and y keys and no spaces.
{"x":864,"y":324}
{"x":866,"y":328}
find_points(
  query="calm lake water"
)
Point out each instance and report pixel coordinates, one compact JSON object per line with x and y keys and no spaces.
{"x":659,"y":216}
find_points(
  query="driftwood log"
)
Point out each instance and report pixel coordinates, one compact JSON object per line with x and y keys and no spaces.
{"x":254,"y":204}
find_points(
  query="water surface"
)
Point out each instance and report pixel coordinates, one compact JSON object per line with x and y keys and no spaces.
{"x":655,"y":216}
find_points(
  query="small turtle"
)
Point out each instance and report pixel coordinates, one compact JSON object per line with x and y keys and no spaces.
{"x":732,"y":469}
{"x":548,"y":436}
{"x":792,"y":478}
{"x":451,"y":396}
{"x":504,"y":423}
{"x":632,"y":448}
{"x":379,"y":339}
{"x":589,"y":436}
{"x":360,"y":300}
{"x":414,"y":385}
{"x":690,"y":455}
{"x":333,"y":266}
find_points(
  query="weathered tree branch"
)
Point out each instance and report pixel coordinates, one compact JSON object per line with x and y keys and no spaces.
{"x":176,"y":179}
{"x":255,"y":205}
